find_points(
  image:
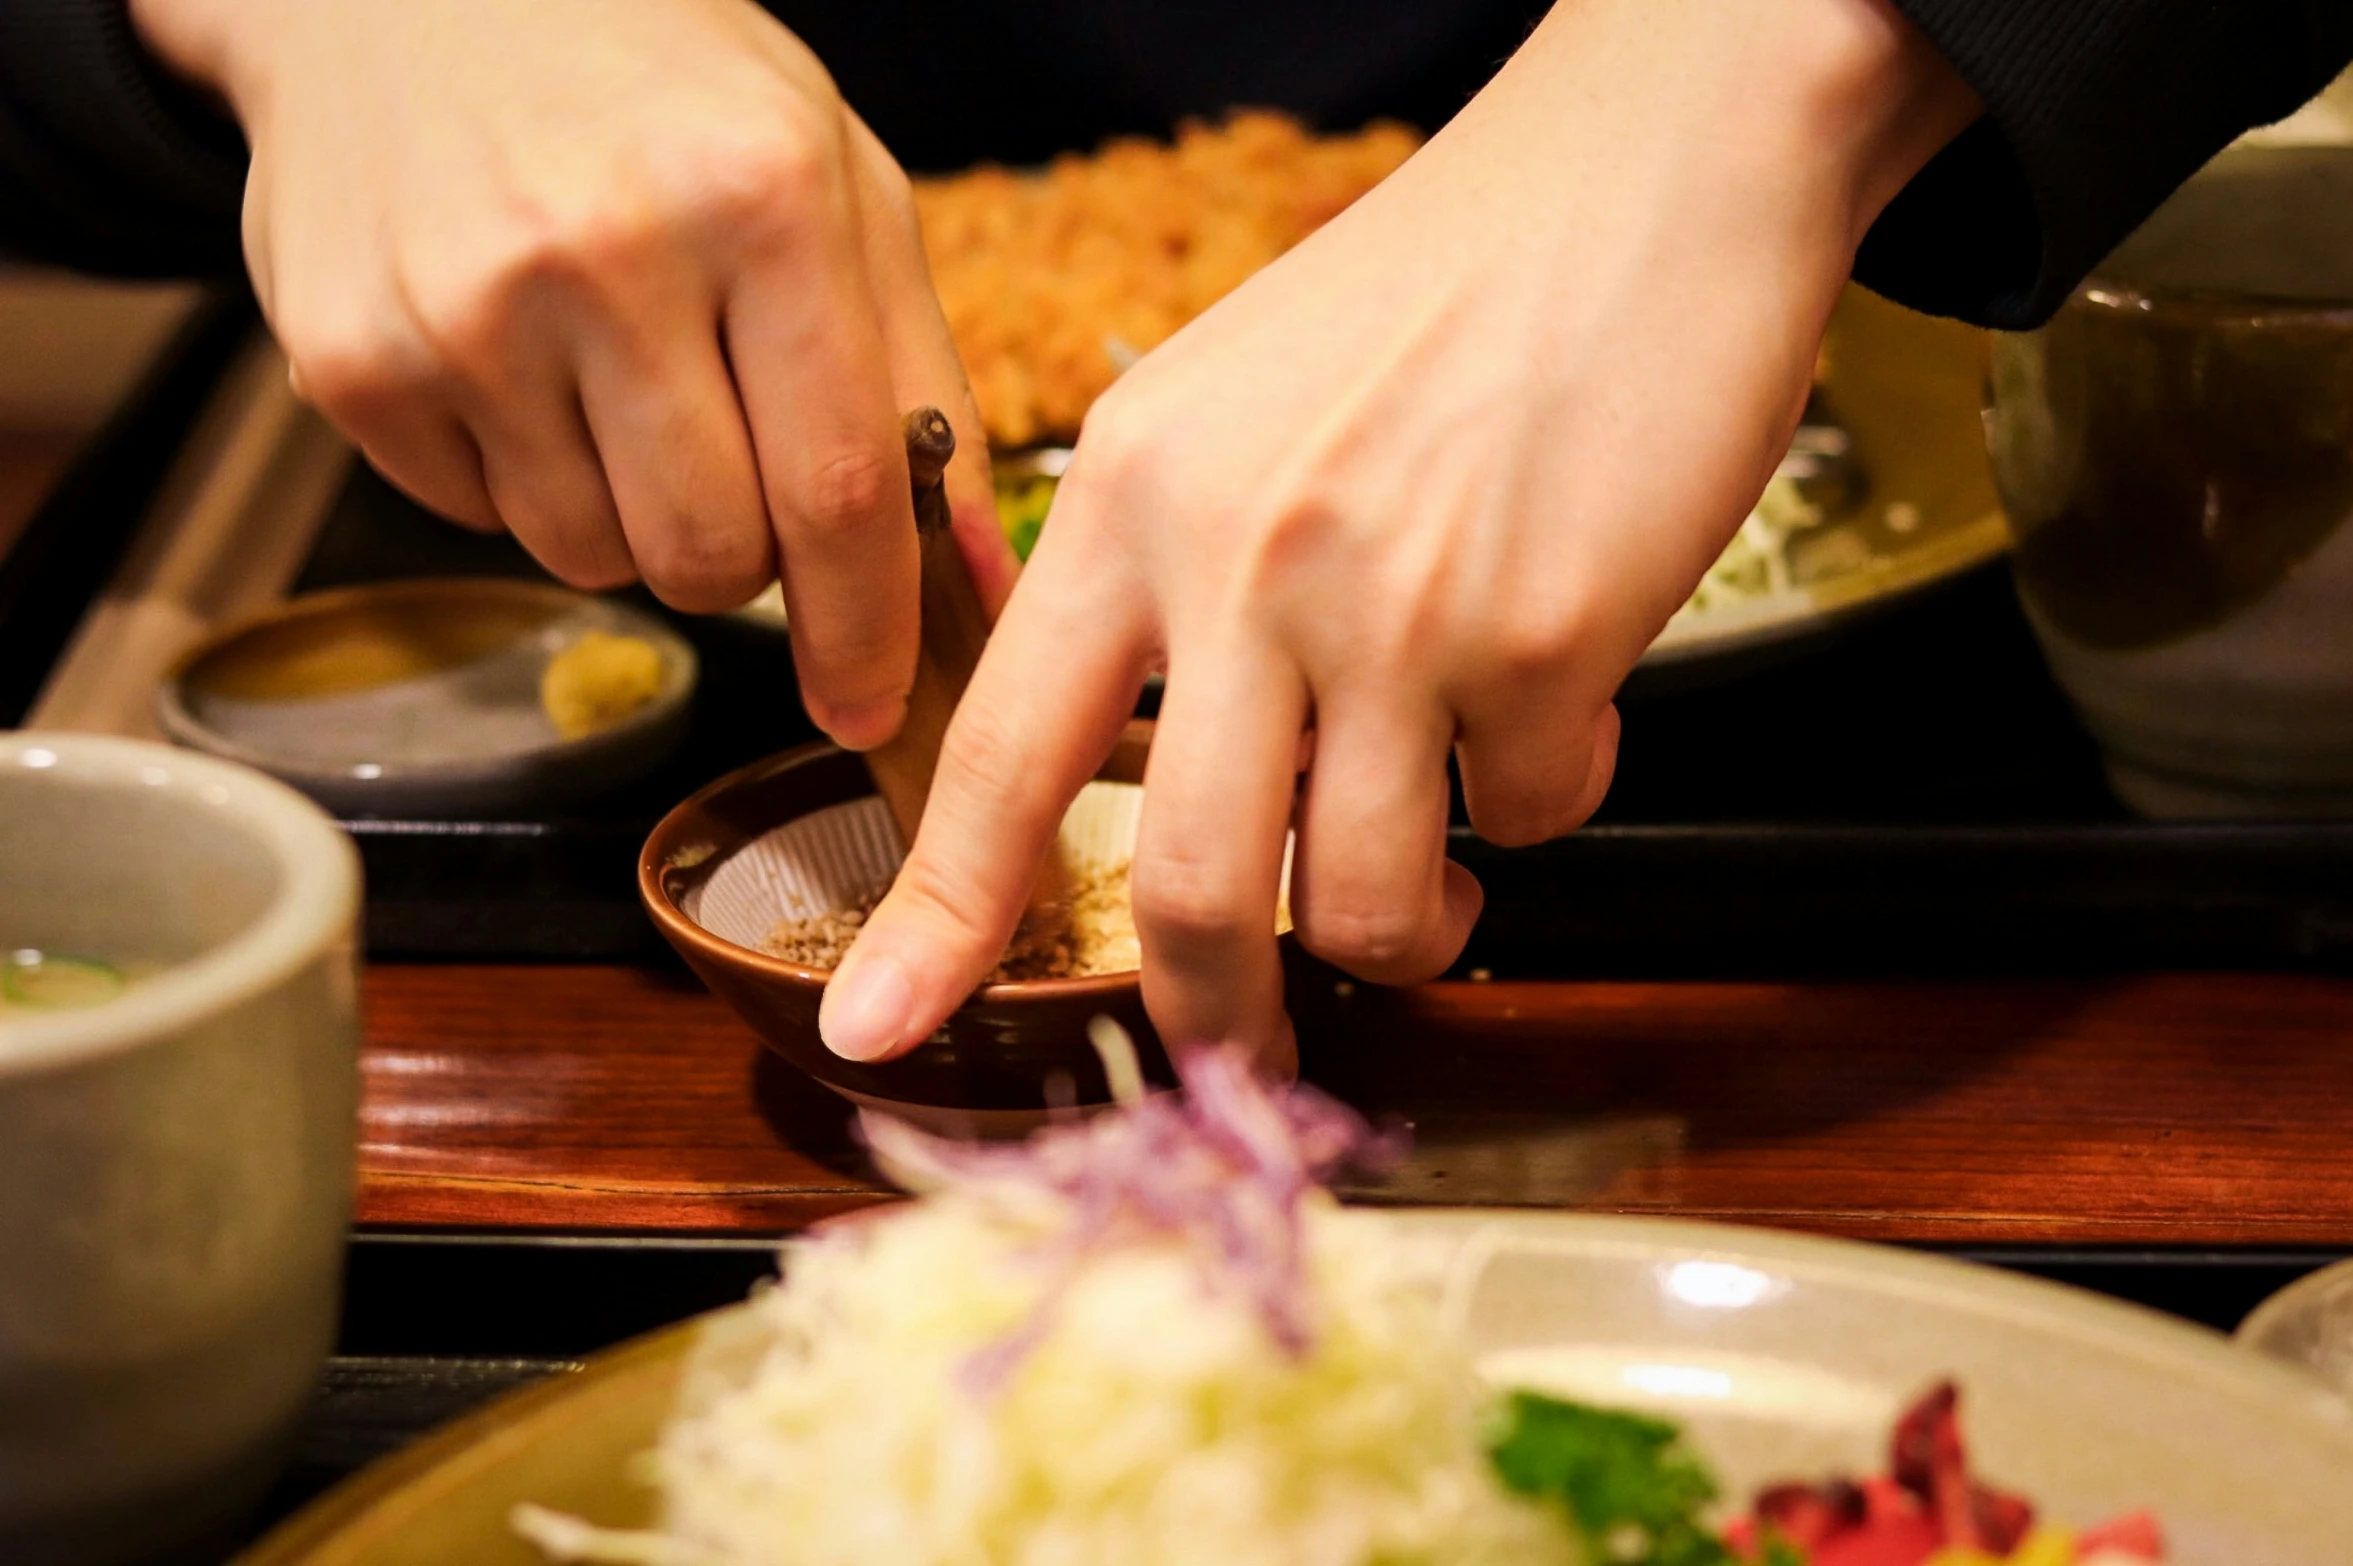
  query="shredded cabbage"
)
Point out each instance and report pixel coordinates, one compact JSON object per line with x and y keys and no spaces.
{"x":1756,"y":563}
{"x":1154,"y":1416}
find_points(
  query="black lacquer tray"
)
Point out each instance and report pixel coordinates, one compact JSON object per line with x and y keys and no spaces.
{"x":1908,"y":794}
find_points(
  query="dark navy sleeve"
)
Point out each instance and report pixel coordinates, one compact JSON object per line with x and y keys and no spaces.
{"x":106,"y":163}
{"x":2095,"y":111}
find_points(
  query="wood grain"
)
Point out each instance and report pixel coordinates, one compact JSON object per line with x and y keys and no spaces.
{"x":2169,"y":1110}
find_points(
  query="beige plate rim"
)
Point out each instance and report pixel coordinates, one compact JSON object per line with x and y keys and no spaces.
{"x":2164,"y":1344}
{"x":1759,"y":622}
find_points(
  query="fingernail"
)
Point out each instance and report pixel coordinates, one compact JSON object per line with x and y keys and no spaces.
{"x":866,"y":1007}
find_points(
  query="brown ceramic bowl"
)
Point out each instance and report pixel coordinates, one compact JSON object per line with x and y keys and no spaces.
{"x":1002,"y":1058}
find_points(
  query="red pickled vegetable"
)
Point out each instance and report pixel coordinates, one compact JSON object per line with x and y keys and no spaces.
{"x":2135,"y":1533}
{"x":1926,"y":1503}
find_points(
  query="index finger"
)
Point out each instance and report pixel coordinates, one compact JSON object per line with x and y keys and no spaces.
{"x":1053,"y":690}
{"x":812,"y":366}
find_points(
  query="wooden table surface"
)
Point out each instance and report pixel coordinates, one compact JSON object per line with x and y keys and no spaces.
{"x":2177,"y":1110}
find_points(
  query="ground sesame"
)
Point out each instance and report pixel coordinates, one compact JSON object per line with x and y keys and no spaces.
{"x":1098,"y":937}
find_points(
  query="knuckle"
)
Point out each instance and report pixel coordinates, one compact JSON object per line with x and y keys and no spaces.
{"x":1121,"y":472}
{"x":851,"y":653}
{"x":788,"y":168}
{"x":1368,"y":934}
{"x":1114,"y":445}
{"x":1282,"y":542}
{"x":1526,"y":814}
{"x":1543,"y":631}
{"x":1517,"y":826}
{"x":849,"y":492}
{"x":854,"y":664}
{"x":605,"y":251}
{"x":1189,"y":904}
{"x":761,"y":184}
{"x":583,"y":565}
{"x":982,"y":759}
{"x":695,"y":568}
{"x":351,"y":374}
{"x":602,"y":250}
{"x":1526,"y":648}
{"x":951,"y":910}
{"x":585,"y":551}
{"x":461,"y":319}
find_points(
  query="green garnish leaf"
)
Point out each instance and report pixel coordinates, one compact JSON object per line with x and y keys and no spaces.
{"x":1024,"y":536}
{"x":1021,"y":511}
{"x":1633,"y":1492}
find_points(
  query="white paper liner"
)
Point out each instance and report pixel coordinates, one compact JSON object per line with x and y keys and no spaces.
{"x":835,"y":858}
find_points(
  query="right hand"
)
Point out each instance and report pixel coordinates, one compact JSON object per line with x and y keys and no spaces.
{"x":630,"y":281}
{"x":1429,"y":483}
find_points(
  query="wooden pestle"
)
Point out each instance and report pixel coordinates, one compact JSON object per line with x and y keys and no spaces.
{"x":955,"y":628}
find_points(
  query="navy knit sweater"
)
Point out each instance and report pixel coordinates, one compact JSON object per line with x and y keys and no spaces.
{"x":2095,"y":110}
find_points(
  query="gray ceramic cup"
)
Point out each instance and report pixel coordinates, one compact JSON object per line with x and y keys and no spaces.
{"x":175,"y":1162}
{"x":2175,"y":450}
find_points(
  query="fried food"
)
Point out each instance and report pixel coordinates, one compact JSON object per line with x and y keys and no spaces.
{"x":1052,"y":282}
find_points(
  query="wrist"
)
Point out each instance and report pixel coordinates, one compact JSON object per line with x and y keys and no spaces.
{"x":1820,"y":109}
{"x":1877,"y":95}
{"x":205,"y":42}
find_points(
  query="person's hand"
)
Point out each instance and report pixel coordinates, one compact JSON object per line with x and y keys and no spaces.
{"x":628,"y":280}
{"x":1431,"y":482}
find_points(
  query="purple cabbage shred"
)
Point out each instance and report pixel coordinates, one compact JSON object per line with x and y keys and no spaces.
{"x":1221,"y":1167}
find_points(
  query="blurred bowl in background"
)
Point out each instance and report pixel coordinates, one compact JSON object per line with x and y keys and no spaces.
{"x":425,"y":697}
{"x":2175,"y":450}
{"x":2309,"y":1324}
{"x":178,"y":1036}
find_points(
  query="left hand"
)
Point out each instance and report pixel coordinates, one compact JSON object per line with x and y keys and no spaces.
{"x":627,"y":280}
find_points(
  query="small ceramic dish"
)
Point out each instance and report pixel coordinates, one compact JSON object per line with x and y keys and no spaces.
{"x":804,"y":833}
{"x":422,"y":697}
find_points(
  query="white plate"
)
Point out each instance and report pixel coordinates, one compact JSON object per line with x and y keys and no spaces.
{"x":1784,"y":1356}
